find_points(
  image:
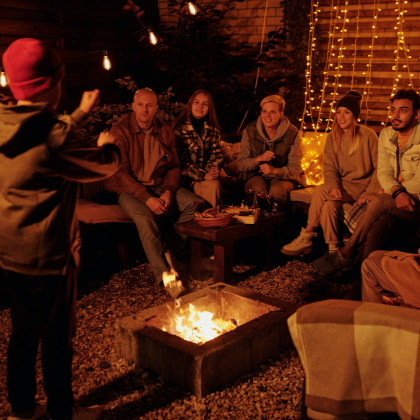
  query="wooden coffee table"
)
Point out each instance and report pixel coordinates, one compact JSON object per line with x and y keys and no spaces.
{"x":223,"y":239}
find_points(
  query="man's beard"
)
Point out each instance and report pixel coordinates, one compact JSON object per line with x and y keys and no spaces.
{"x":406,"y":125}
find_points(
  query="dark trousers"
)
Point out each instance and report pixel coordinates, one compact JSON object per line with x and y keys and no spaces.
{"x":43,"y":308}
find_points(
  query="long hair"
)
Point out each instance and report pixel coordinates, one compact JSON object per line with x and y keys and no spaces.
{"x":185,"y":114}
{"x":337,"y":133}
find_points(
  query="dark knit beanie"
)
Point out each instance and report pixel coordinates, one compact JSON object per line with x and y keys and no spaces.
{"x":31,"y":67}
{"x":352,"y":102}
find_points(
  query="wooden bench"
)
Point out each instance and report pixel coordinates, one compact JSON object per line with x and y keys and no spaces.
{"x":223,"y":239}
{"x":90,"y":213}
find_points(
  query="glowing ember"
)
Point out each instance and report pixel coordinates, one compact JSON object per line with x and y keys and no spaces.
{"x":197,"y":327}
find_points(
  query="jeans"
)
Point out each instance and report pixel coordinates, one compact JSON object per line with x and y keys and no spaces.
{"x":43,"y":308}
{"x":381,"y":204}
{"x":145,"y":220}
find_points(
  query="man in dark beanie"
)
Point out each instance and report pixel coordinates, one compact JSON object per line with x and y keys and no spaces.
{"x":42,"y":161}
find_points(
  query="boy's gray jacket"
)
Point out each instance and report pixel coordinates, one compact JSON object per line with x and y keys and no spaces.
{"x":391,"y":160}
{"x":285,"y":144}
{"x":42,"y":161}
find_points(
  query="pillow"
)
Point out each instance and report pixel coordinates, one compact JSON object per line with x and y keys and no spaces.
{"x":92,"y":213}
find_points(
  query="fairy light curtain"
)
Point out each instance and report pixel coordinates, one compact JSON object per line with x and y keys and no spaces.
{"x":371,"y":46}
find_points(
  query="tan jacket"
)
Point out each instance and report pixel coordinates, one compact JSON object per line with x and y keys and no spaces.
{"x":130,"y":142}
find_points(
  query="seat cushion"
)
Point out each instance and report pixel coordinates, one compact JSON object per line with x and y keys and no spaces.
{"x":92,"y":213}
{"x":302,"y":194}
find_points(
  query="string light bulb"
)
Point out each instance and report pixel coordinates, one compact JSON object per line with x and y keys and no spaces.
{"x":3,"y":80}
{"x":106,"y":62}
{"x":192,"y":7}
{"x":152,"y":38}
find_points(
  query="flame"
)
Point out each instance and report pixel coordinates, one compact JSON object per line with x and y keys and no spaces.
{"x":192,"y":325}
{"x":199,"y":327}
{"x":169,"y":278}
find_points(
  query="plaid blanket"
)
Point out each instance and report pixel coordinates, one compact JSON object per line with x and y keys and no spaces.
{"x":350,"y":214}
{"x":359,"y":359}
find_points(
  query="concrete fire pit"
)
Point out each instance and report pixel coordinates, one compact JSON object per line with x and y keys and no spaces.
{"x":203,"y":368}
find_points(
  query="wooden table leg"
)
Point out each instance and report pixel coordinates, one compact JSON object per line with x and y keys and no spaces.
{"x":196,"y":259}
{"x":269,"y":250}
{"x":223,"y":262}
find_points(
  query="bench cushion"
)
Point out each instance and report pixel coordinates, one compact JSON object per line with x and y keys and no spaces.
{"x":302,"y":194}
{"x":92,"y":213}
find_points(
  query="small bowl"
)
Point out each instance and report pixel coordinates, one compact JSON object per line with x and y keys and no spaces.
{"x":214,"y":222}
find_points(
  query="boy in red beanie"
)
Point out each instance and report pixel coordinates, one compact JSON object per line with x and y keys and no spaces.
{"x":42,"y":161}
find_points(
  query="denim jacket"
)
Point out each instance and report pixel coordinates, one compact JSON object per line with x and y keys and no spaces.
{"x":391,"y":160}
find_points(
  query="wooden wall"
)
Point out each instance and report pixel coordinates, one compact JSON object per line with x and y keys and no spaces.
{"x":75,"y":28}
{"x":362,"y":54}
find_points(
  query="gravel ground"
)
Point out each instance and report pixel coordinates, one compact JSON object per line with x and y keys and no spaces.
{"x":270,"y":391}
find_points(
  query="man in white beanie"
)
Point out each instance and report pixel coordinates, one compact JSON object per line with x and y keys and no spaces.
{"x":270,"y":157}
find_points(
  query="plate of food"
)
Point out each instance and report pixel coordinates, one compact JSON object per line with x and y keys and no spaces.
{"x":213,"y":218}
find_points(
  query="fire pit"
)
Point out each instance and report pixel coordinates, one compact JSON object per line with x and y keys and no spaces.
{"x":256,"y":331}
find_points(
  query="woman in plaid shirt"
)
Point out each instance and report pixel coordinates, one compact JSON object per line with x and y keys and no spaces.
{"x":197,"y":136}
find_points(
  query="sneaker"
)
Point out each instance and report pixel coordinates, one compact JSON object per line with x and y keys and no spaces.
{"x":332,"y":248}
{"x":40,"y":411}
{"x":87,"y":413}
{"x":329,"y":264}
{"x":301,"y":245}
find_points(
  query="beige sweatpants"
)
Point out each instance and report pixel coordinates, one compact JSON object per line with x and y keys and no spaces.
{"x":210,"y":190}
{"x":324,"y":211}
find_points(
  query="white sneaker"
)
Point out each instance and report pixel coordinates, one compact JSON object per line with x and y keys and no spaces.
{"x":301,"y":245}
{"x":87,"y":413}
{"x":40,"y":411}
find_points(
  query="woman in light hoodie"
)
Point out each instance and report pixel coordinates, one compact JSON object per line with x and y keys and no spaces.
{"x":350,"y":162}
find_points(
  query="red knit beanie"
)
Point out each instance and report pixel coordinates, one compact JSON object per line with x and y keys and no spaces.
{"x":31,"y":67}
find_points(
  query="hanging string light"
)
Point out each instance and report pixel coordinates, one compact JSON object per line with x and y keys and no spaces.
{"x":328,"y":64}
{"x":355,"y":47}
{"x":400,"y":46}
{"x":3,"y":80}
{"x":106,"y":62}
{"x":192,"y":8}
{"x":308,"y":73}
{"x":152,"y":38}
{"x":339,"y":65}
{"x":368,"y":82}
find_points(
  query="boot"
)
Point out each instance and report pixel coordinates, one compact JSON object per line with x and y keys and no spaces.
{"x":301,"y":245}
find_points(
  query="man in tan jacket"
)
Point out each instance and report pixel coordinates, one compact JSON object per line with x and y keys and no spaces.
{"x":147,"y":180}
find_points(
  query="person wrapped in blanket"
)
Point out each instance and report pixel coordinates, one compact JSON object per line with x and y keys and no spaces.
{"x":398,"y":174}
{"x":350,"y":166}
{"x":197,"y":137}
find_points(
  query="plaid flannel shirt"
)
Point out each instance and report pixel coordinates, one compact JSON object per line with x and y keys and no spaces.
{"x":195,"y":153}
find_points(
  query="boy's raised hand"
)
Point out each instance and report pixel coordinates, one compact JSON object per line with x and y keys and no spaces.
{"x":106,"y":138}
{"x":89,"y":100}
